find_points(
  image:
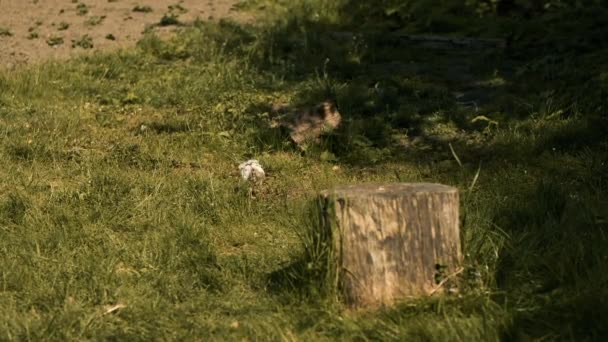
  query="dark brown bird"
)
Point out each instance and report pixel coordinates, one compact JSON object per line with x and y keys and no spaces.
{"x":309,"y":124}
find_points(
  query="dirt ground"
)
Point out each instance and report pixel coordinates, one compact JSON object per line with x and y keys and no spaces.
{"x":36,"y":30}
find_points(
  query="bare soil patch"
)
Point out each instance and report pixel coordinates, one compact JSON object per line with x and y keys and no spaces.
{"x":36,"y":30}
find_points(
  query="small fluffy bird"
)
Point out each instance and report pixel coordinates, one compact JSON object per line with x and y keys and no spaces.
{"x":251,"y":170}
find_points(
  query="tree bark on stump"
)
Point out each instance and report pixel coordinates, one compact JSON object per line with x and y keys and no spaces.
{"x":391,"y":241}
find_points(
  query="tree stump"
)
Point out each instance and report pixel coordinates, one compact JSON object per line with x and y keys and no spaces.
{"x":392,"y":241}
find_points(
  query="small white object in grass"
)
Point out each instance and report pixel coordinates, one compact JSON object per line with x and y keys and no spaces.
{"x":252,"y":170}
{"x":108,"y":309}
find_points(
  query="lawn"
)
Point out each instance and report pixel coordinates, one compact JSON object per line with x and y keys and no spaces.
{"x":123,"y":215}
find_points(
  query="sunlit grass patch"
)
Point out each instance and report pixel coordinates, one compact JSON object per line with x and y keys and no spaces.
{"x":123,"y":214}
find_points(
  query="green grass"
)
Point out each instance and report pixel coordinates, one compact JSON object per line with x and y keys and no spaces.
{"x":94,"y":20}
{"x":63,"y":26}
{"x":33,"y":35}
{"x":81,"y":8}
{"x":120,"y":186}
{"x":54,"y":40}
{"x":84,"y":42}
{"x":5,"y":32}
{"x":142,"y":9}
{"x":169,"y":19}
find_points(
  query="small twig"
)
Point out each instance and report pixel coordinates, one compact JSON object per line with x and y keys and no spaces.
{"x":112,"y":308}
{"x":475,"y":178}
{"x":454,"y":154}
{"x":448,"y":277}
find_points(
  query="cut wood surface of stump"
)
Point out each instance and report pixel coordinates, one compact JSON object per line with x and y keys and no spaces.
{"x":392,"y":241}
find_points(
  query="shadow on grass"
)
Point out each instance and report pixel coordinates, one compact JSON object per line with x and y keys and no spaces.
{"x":553,"y":266}
{"x":290,"y":279}
{"x":312,"y":274}
{"x":398,"y":94}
